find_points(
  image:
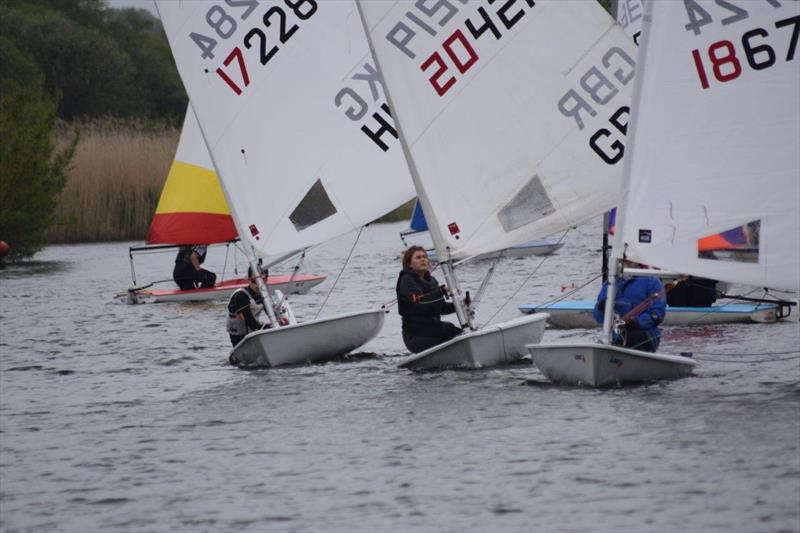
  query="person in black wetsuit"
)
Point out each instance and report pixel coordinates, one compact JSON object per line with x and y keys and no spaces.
{"x":421,"y":302}
{"x":188,"y":273}
{"x":243,"y":308}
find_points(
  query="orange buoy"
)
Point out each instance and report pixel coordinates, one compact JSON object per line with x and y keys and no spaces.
{"x":4,"y":248}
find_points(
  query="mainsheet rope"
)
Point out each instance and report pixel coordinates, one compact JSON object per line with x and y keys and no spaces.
{"x":535,"y":270}
{"x":340,"y":272}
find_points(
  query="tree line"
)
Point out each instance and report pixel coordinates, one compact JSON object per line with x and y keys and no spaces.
{"x":70,"y":61}
{"x":98,"y":61}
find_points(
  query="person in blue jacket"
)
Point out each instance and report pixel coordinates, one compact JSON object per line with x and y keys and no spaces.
{"x":421,"y":302}
{"x":641,"y":331}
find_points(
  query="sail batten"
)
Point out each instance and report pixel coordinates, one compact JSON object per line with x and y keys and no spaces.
{"x":713,"y":184}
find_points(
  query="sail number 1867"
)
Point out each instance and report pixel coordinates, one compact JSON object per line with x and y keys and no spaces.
{"x":723,"y":62}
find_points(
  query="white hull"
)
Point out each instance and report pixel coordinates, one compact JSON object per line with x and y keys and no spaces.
{"x":221,"y":291}
{"x":578,"y":314}
{"x":599,"y":365}
{"x":310,"y":342}
{"x":491,"y":346}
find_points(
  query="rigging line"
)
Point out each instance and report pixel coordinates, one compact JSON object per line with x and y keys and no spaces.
{"x":225,"y":264}
{"x":567,"y":294}
{"x":535,"y":270}
{"x":321,"y":307}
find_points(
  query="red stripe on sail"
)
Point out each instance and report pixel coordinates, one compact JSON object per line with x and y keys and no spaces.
{"x":191,"y":228}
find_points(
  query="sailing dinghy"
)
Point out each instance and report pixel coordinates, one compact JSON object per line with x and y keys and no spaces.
{"x":714,"y":137}
{"x":507,"y":141}
{"x":292,"y":112}
{"x":192,"y":210}
{"x":578,"y":313}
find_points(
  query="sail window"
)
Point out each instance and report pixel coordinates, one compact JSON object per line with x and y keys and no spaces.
{"x":315,"y":206}
{"x":529,"y":205}
{"x":739,"y":244}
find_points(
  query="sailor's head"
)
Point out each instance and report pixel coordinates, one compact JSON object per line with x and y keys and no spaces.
{"x":416,"y":259}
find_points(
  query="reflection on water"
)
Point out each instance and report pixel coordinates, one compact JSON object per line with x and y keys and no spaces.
{"x":117,"y":417}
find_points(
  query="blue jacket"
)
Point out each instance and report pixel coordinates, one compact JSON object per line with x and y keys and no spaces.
{"x":630,"y":293}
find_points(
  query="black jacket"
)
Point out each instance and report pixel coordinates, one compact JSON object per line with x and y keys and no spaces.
{"x":421,"y":303}
{"x":240,"y":303}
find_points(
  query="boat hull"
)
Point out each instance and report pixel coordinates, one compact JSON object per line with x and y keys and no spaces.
{"x":599,"y":365}
{"x":315,"y":341}
{"x":493,"y":345}
{"x":300,"y":284}
{"x":578,"y":314}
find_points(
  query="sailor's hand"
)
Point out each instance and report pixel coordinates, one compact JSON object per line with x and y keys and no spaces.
{"x":444,"y":290}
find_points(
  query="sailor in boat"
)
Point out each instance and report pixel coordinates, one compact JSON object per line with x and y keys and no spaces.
{"x":421,"y":302}
{"x":640,"y":306}
{"x":243,"y":308}
{"x":188,"y":273}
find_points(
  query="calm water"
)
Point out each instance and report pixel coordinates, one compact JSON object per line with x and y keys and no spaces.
{"x":127,"y":418}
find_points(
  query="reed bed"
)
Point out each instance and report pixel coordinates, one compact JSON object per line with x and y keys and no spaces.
{"x":115,"y":180}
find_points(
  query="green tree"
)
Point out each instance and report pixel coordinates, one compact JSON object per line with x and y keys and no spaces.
{"x":141,"y":36}
{"x":92,"y":73}
{"x":32,"y":171}
{"x":17,"y":65}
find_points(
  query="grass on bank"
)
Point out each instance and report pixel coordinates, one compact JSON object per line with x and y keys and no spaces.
{"x":114,"y":182}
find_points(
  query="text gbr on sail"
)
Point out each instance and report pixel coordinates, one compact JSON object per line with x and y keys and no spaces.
{"x":597,"y":88}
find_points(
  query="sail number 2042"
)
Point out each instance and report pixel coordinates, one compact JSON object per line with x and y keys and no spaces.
{"x":459,"y":54}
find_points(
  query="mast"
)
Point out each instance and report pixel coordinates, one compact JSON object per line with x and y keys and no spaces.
{"x":604,"y":250}
{"x":264,"y":290}
{"x":448,"y":269}
{"x":618,"y":247}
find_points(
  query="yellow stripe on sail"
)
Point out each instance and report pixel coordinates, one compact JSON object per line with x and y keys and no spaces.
{"x":191,"y":188}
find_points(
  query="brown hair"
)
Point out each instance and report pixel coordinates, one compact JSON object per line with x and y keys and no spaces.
{"x":409,"y":253}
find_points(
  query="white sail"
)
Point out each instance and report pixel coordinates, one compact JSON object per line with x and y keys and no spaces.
{"x":513,"y":114}
{"x":712,"y":186}
{"x":293,"y":114}
{"x":629,"y":14}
